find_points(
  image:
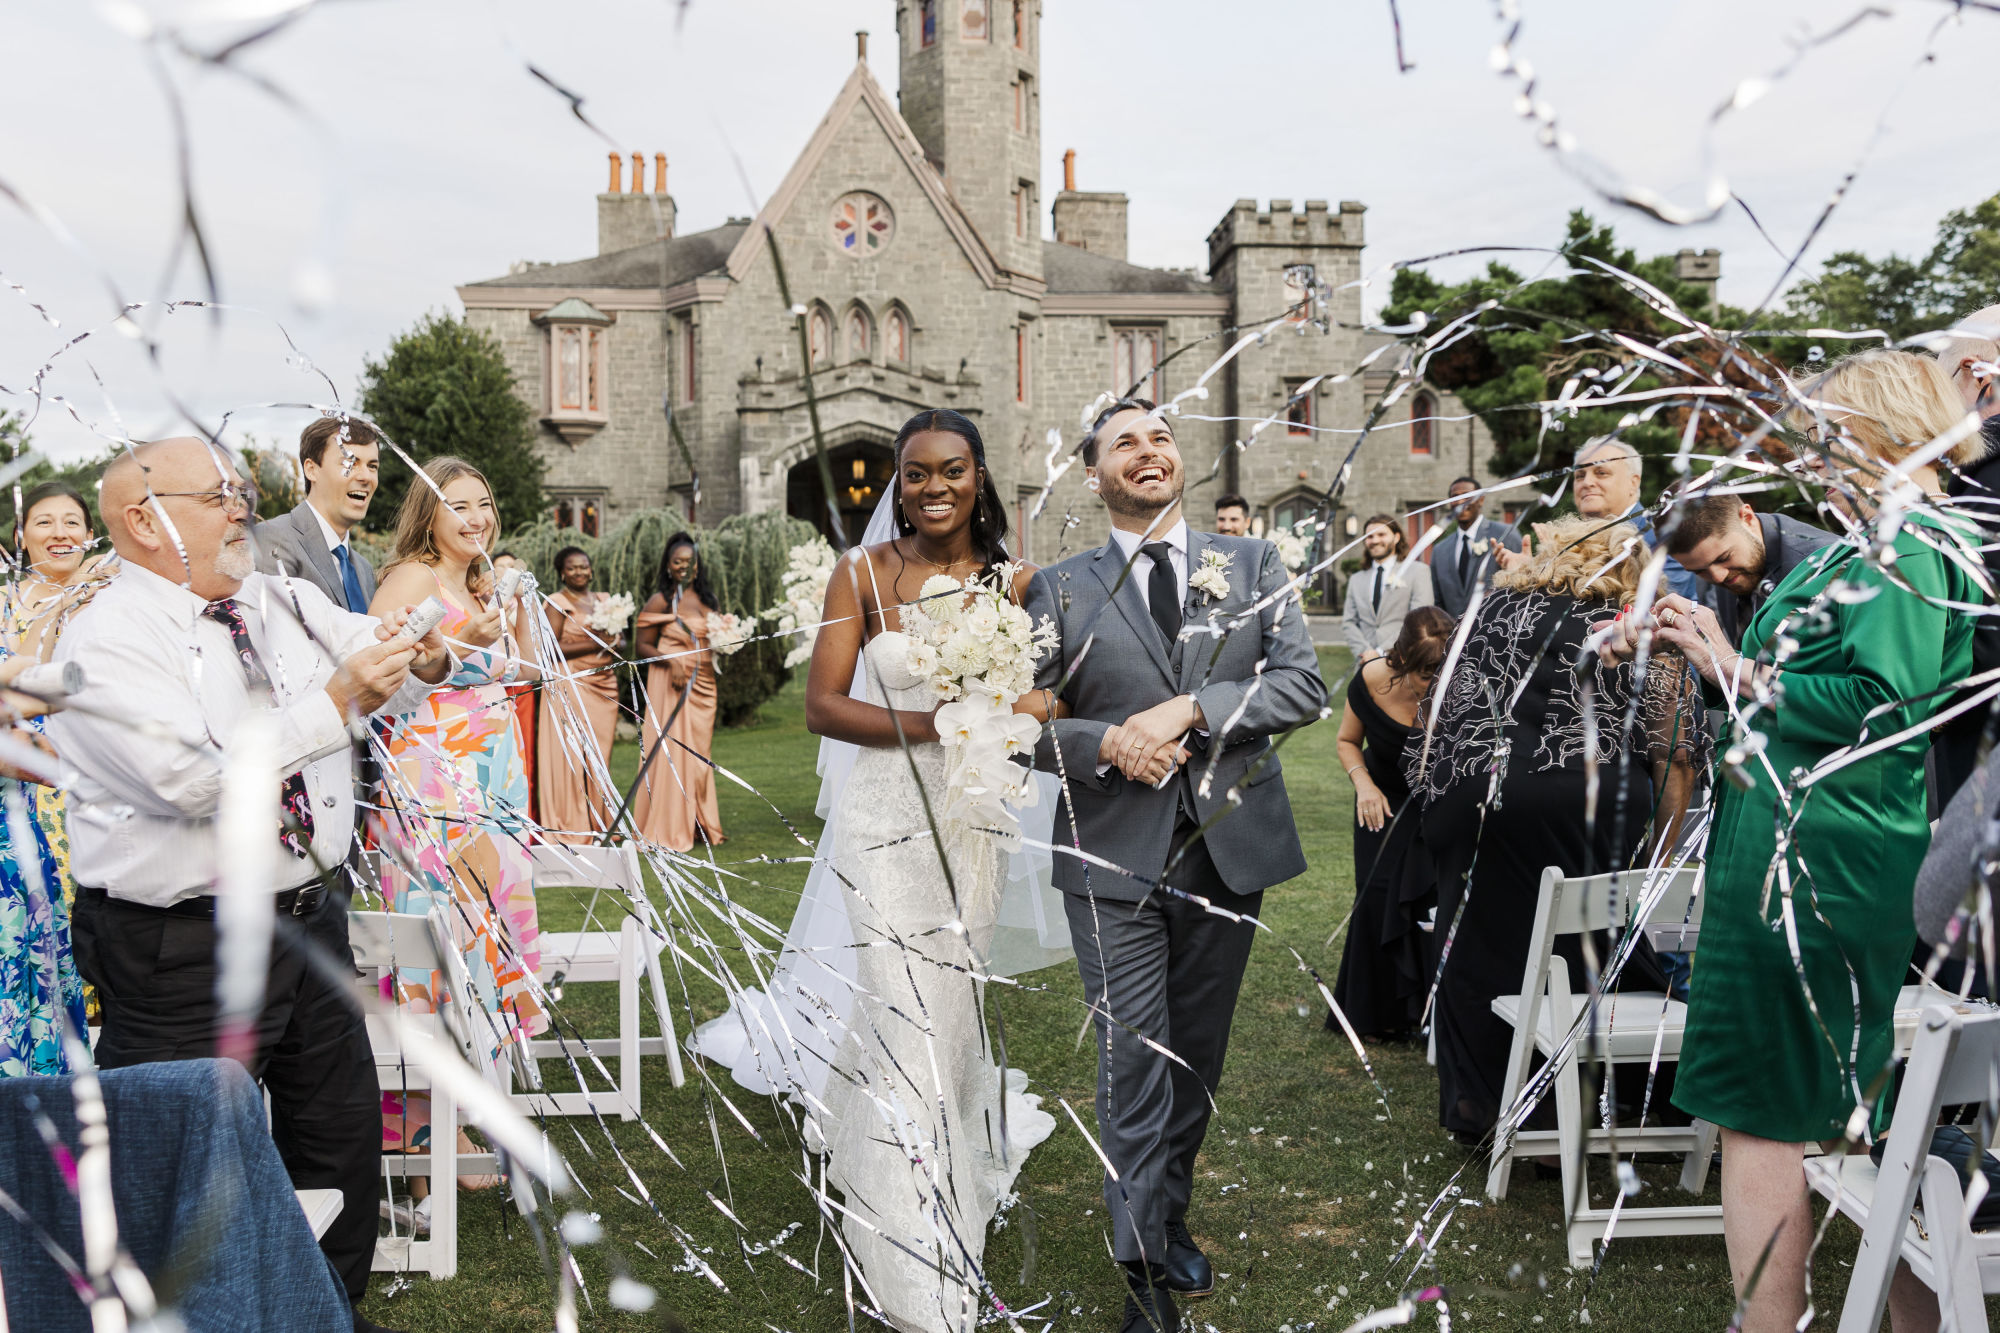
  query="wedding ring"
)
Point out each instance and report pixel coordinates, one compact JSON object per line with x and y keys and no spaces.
{"x":1668,"y":616}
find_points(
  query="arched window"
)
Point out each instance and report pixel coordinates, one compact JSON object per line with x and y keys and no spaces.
{"x":1020,"y":26}
{"x":896,"y":336}
{"x":926,"y":22}
{"x":819,"y":335}
{"x":1423,"y":425}
{"x":858,"y":335}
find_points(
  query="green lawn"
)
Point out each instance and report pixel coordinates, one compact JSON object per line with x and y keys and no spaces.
{"x":1308,"y":1183}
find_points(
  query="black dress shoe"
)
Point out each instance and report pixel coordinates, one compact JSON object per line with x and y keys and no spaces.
{"x":1188,"y":1270}
{"x":1148,"y":1306}
{"x":363,"y":1324}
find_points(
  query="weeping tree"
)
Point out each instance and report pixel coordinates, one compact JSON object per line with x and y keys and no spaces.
{"x":745,"y":555}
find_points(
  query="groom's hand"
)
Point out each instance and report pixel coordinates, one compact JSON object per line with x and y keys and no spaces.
{"x":1151,"y":741}
{"x":1119,"y":750}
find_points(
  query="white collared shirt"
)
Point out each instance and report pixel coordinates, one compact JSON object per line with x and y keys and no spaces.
{"x":142,"y":807}
{"x":334,"y":541}
{"x":1142,"y":564}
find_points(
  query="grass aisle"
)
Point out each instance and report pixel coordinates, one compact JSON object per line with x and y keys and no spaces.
{"x":1308,"y":1185}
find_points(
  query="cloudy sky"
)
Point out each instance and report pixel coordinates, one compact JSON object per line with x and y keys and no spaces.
{"x":412,"y":151}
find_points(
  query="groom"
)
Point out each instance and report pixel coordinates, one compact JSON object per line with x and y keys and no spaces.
{"x":1154,"y":704}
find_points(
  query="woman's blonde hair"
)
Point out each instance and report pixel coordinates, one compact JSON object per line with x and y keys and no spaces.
{"x":416,"y":522}
{"x":1573,"y":558}
{"x":1889,"y":402}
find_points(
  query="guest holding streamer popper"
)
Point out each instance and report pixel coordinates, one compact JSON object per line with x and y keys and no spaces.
{"x":38,"y":975}
{"x":676,"y":798}
{"x":453,"y":818}
{"x":1846,"y":650}
{"x":579,"y":708}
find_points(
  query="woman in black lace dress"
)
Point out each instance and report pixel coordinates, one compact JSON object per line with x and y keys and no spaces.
{"x":1525,"y":695}
{"x":1384,"y":970}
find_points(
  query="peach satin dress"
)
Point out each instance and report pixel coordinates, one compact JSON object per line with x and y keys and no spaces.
{"x":581,"y":709}
{"x":676,"y":799}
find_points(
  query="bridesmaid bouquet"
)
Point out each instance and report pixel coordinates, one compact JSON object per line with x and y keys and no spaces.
{"x":1294,"y":544}
{"x":611,"y":614}
{"x":727,"y":633}
{"x":808,"y":567}
{"x":977,"y":649}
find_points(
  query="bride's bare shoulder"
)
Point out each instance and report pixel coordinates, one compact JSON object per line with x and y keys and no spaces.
{"x":1024,"y":576}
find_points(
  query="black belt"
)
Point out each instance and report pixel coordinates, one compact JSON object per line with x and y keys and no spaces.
{"x":302,"y":901}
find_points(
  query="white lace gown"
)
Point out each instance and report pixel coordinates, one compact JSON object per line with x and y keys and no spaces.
{"x":914,"y":1108}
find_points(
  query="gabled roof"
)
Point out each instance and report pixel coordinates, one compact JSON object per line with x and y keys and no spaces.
{"x":666,"y":263}
{"x":1067,"y":269}
{"x":861,"y":90}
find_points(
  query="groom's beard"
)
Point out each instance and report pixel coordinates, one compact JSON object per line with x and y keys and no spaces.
{"x":1126,"y":504}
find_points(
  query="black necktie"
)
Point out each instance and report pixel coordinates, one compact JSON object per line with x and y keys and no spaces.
{"x":1464,"y":555}
{"x":1163,"y":594}
{"x":1378,"y":588}
{"x":292,"y":802}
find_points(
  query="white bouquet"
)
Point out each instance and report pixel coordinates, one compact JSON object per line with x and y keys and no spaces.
{"x":1294,"y":544}
{"x":808,"y":568}
{"x":609,"y":617}
{"x":978,"y":649}
{"x":727,"y":633}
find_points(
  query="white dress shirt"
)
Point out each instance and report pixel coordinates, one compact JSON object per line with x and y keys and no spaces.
{"x":334,"y":541}
{"x":1142,"y":566}
{"x":142,"y":807}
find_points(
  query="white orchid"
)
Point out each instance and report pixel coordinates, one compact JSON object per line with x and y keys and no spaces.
{"x":809,"y":568}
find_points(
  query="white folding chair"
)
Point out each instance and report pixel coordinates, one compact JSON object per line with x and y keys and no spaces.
{"x":383,"y":943}
{"x":1630,"y":1025}
{"x":321,"y":1207}
{"x":601,"y":955}
{"x":1955,"y":1058}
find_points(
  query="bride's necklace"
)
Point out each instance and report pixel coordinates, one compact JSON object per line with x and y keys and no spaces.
{"x":918,"y":552}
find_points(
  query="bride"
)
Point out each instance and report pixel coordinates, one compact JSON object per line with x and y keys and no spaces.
{"x":924,"y":1132}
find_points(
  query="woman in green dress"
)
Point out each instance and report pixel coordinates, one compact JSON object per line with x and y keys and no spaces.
{"x":1784,"y":1042}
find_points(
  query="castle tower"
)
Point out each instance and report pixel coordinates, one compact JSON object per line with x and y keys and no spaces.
{"x":971,"y":91}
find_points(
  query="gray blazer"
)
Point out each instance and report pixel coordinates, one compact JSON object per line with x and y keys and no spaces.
{"x":1260,"y":680}
{"x":1454,"y":593}
{"x":1368,"y":628}
{"x":294,"y":544}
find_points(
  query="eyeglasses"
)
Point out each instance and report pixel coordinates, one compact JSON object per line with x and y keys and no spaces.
{"x":222,"y":497}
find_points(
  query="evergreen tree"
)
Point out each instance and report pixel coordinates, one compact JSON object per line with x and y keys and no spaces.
{"x":444,"y":388}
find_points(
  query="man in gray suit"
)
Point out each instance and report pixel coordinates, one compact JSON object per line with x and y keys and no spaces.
{"x":1464,"y":558}
{"x":341,"y":460}
{"x":1382,"y":593}
{"x":1179,"y":661}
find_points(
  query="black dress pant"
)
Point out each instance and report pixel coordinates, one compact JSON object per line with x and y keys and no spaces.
{"x":155,"y":976}
{"x":1166,"y":970}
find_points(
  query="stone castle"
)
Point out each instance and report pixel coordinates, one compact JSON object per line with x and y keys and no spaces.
{"x":911,"y":236}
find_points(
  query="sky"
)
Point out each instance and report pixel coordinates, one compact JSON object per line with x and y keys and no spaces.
{"x":373,"y":156}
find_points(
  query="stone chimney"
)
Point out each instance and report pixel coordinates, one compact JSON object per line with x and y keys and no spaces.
{"x":630,"y":218}
{"x":1703,"y":269}
{"x":1093,"y":222}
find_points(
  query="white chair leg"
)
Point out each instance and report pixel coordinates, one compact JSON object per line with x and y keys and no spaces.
{"x":444,"y":1184}
{"x":1694,"y":1168}
{"x":628,"y":1017}
{"x":1961,"y":1303}
{"x":654,"y":975}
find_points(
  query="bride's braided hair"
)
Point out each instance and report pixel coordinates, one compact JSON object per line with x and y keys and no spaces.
{"x":989,"y":516}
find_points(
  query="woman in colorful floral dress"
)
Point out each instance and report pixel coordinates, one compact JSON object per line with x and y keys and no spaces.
{"x":38,"y":978}
{"x":454,"y":822}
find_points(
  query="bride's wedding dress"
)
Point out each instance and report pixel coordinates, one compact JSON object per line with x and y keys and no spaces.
{"x":922,"y":1139}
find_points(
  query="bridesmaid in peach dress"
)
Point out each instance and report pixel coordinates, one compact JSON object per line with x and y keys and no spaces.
{"x":676,"y":799}
{"x":571,"y":804}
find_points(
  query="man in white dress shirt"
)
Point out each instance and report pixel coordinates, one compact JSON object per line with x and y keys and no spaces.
{"x":185,"y":641}
{"x":1384,"y":592}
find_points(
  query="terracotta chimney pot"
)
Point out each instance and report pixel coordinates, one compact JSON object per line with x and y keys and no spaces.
{"x":617,"y":174}
{"x":638,"y":173}
{"x":1069,"y":168}
{"x":861,"y":46}
{"x":659,"y":173}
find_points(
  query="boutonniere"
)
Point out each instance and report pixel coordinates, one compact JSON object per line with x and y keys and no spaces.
{"x":1480,"y":546}
{"x":1212,"y":579}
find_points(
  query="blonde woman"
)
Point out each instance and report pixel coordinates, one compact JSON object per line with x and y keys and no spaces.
{"x":1522,"y":691}
{"x":1756,"y":1060}
{"x":454,"y":815}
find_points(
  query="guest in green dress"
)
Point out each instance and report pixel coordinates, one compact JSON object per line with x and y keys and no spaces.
{"x":1790,"y":1045}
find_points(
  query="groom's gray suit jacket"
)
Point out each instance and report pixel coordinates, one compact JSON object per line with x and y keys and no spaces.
{"x":1263,"y":680}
